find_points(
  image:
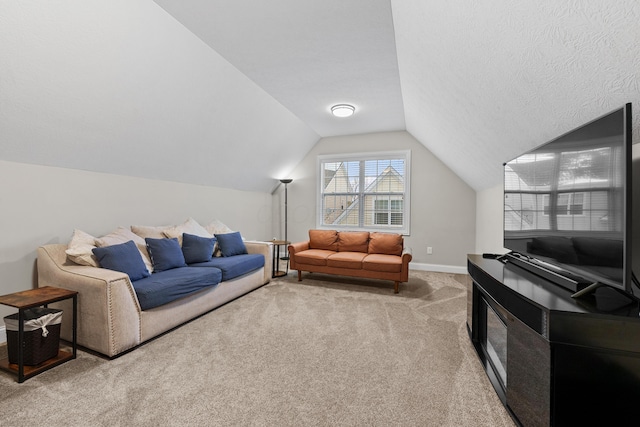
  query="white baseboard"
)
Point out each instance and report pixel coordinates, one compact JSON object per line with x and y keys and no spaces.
{"x":439,"y":268}
{"x":3,"y":335}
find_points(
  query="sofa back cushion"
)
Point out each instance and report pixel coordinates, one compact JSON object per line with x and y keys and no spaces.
{"x":197,"y":249}
{"x":386,"y":243}
{"x":165,"y":253}
{"x":231,"y":244}
{"x":123,"y":257}
{"x":323,"y":239}
{"x":353,"y":241}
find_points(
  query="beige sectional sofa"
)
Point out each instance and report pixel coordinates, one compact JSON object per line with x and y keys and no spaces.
{"x":110,"y":320}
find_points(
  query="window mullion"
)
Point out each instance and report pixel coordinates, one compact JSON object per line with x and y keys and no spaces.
{"x":361,"y":188}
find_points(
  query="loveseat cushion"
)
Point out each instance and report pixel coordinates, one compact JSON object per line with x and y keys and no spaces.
{"x":234,"y":266}
{"x":165,"y":286}
{"x":323,"y":239}
{"x":313,"y":256}
{"x":353,"y":241}
{"x":351,"y":260}
{"x":383,"y":263}
{"x":385,"y":243}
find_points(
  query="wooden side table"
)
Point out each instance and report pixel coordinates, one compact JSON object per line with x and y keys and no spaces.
{"x":276,"y":272}
{"x":36,"y":298}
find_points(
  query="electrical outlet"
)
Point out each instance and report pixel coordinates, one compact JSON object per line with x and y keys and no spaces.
{"x":429,"y":250}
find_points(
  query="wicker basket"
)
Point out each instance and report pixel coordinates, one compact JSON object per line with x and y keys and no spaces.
{"x":41,"y":335}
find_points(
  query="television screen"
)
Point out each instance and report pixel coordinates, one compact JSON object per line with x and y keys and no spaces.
{"x":567,"y":203}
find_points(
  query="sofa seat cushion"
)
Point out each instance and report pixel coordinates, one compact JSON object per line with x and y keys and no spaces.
{"x":351,"y":260}
{"x":383,"y":263}
{"x":234,"y":266}
{"x":313,"y":256}
{"x":165,"y":286}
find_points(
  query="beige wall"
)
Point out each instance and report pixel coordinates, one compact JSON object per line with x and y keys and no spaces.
{"x":42,"y":204}
{"x":442,"y":205}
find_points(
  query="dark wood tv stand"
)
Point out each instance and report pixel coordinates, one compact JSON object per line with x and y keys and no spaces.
{"x":567,"y":361}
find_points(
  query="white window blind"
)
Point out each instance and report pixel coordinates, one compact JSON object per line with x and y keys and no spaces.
{"x":365,"y":191}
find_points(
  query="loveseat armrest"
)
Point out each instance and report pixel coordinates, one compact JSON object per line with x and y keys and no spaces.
{"x":108,"y":308}
{"x":266,"y":249}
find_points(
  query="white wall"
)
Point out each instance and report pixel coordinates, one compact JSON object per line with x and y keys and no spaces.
{"x":442,"y":205}
{"x":42,"y":205}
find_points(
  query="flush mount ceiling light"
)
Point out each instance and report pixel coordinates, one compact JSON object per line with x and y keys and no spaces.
{"x":343,"y":110}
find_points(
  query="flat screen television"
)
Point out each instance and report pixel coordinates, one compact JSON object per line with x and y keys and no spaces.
{"x":567,"y":206}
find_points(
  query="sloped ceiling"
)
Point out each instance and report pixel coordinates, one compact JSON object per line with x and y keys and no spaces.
{"x":121,"y":87}
{"x":476,"y":83}
{"x":234,"y":94}
{"x":309,"y":55}
{"x":484,"y":81}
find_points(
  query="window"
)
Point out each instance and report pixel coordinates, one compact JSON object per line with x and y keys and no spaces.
{"x":567,"y":204}
{"x":364,"y":191}
{"x":387,"y":211}
{"x":569,"y":190}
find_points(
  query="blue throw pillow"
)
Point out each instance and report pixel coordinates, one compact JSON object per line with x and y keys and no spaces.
{"x":231,"y":244}
{"x":124,"y":257}
{"x":165,"y":253}
{"x":196,"y":248}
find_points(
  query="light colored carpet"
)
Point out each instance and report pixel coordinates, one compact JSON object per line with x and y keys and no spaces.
{"x":326,"y":351}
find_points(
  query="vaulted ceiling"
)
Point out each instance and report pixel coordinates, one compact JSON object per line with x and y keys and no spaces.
{"x":234,"y":94}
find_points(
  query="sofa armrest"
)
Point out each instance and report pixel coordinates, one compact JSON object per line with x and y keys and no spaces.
{"x":295,"y":248}
{"x":407,"y":256}
{"x":266,"y":249}
{"x":108,"y":308}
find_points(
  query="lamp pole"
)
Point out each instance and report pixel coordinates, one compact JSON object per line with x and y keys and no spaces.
{"x":286,"y":219}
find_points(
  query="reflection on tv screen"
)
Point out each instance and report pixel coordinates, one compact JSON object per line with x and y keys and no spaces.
{"x":564,"y":202}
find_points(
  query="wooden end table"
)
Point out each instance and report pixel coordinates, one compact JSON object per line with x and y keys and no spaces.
{"x":36,"y":298}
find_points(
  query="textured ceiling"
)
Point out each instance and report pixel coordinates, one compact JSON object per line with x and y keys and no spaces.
{"x":235,"y":94}
{"x":484,"y":81}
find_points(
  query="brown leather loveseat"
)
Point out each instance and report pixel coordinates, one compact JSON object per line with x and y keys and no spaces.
{"x":353,"y":253}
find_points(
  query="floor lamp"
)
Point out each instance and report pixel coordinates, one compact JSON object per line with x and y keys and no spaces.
{"x":286,"y":219}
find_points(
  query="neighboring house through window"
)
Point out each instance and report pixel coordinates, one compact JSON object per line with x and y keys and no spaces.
{"x":367,"y":191}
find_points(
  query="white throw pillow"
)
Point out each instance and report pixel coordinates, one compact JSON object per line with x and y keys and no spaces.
{"x":79,"y":249}
{"x":145,"y":231}
{"x":190,"y":226}
{"x":123,"y":235}
{"x":217,"y":227}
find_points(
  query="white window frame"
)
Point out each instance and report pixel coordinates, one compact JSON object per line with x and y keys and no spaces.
{"x":405,"y":229}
